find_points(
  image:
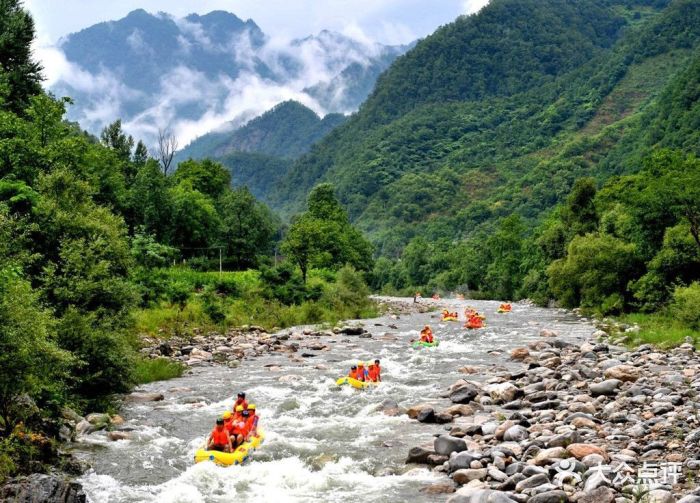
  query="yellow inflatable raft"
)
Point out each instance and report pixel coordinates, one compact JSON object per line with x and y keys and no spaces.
{"x":355,"y":383}
{"x":450,"y":318}
{"x":237,"y":457}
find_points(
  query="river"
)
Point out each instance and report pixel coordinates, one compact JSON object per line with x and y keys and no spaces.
{"x":324,"y":443}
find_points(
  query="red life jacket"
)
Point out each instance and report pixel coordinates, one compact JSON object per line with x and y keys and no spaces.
{"x":238,"y":402}
{"x":361,"y":373}
{"x":219,"y":437}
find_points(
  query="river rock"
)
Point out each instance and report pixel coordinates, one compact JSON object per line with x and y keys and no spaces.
{"x":545,"y":332}
{"x":118,"y":435}
{"x":464,"y":393}
{"x":547,"y":456}
{"x":41,"y":488}
{"x":413,"y":411}
{"x":519,"y":354}
{"x":598,"y":495}
{"x":465,"y":476}
{"x":530,"y":482}
{"x":460,"y":410}
{"x":503,"y":392}
{"x":580,"y":451}
{"x":555,"y":496}
{"x":624,"y":373}
{"x":659,"y":496}
{"x":462,"y":460}
{"x":200,"y":354}
{"x":352,"y":330}
{"x":516,"y":434}
{"x":446,"y":488}
{"x":446,"y":445}
{"x":427,"y":415}
{"x":564,"y":439}
{"x":145,"y":397}
{"x":472,"y":495}
{"x":418,"y":455}
{"x":607,"y":387}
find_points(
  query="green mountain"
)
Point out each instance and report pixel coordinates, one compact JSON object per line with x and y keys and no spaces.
{"x":261,"y":152}
{"x":500,"y":112}
{"x":288,"y":130}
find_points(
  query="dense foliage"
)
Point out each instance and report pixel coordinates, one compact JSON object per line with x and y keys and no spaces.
{"x":90,"y":229}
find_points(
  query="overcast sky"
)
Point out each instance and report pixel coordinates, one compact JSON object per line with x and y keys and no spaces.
{"x":386,"y":21}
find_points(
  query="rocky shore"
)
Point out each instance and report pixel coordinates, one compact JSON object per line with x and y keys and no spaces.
{"x":244,"y":343}
{"x":590,"y":423}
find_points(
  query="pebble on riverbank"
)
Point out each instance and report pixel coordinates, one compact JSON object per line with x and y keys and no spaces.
{"x":578,"y":423}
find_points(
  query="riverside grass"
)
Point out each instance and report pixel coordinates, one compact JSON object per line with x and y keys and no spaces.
{"x":660,"y":329}
{"x":156,"y":369}
{"x":207,"y":309}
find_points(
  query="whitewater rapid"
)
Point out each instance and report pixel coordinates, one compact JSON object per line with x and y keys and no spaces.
{"x":323,"y":443}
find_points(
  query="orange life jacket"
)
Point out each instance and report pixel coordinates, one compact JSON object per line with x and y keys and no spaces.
{"x":238,"y":402}
{"x":219,"y":436}
{"x":361,"y":373}
{"x":373,"y":373}
{"x":228,"y":425}
{"x":250,"y":424}
{"x":352,"y":374}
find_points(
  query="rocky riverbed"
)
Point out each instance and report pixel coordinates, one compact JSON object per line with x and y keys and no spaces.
{"x":590,"y":423}
{"x":545,"y":409}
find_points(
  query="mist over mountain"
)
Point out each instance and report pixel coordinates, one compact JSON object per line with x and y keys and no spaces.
{"x":198,"y":73}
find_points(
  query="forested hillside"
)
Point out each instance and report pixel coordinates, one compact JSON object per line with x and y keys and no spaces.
{"x":260,"y":153}
{"x":99,"y":248}
{"x":437,"y":158}
{"x":287,"y":131}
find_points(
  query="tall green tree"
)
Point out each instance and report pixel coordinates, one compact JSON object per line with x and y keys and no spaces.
{"x":206,"y":176}
{"x":248,"y":227}
{"x":20,"y":75}
{"x":323,"y":236}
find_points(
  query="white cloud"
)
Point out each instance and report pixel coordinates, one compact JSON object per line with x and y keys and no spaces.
{"x":473,"y":6}
{"x":219,"y":100}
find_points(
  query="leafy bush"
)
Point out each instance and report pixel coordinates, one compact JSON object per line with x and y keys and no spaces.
{"x":686,"y":305}
{"x":158,"y":369}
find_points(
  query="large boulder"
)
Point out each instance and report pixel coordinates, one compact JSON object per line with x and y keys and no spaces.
{"x":447,"y":444}
{"x":625,"y":373}
{"x":42,"y":488}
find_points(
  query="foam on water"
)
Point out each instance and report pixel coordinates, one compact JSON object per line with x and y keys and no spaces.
{"x":323,"y":443}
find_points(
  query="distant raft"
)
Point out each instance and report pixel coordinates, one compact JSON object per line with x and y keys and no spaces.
{"x":355,"y":383}
{"x":237,"y":457}
{"x":421,"y":344}
{"x":450,"y":318}
{"x":505,"y":308}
